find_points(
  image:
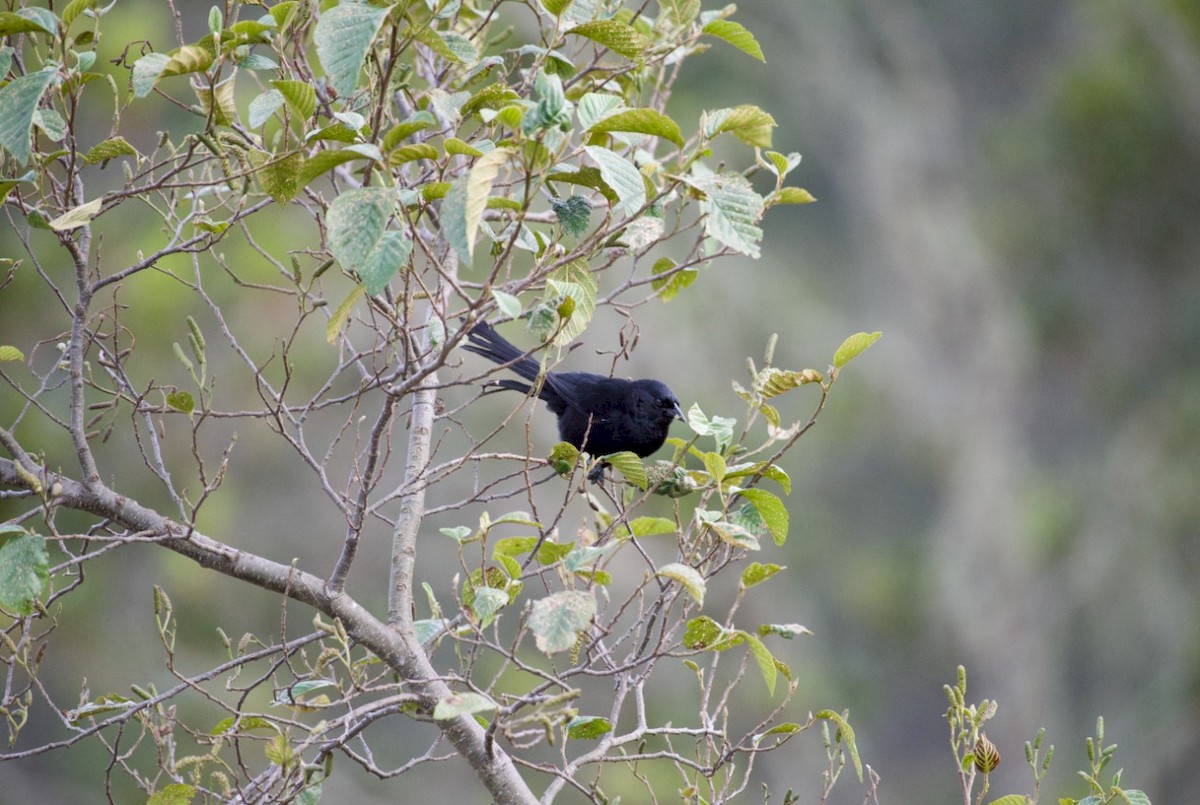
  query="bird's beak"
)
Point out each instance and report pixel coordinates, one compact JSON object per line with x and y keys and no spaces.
{"x":679,"y":413}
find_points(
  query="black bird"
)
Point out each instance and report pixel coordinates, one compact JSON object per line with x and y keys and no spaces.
{"x":597,"y":414}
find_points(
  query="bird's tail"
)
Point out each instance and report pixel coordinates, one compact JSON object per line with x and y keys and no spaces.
{"x":484,"y":340}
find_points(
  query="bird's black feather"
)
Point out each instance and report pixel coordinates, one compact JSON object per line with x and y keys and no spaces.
{"x":597,"y":414}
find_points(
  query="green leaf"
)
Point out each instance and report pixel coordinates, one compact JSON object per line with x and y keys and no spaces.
{"x":557,"y":619}
{"x":418,"y":122}
{"x":18,"y":102}
{"x":280,"y":176}
{"x":733,"y":211}
{"x":616,"y":36}
{"x":574,"y":281}
{"x":460,"y":48}
{"x":587,"y":727}
{"x":785,"y":630}
{"x":702,"y":633}
{"x":748,"y":123}
{"x":757,"y":574}
{"x":263,"y":106}
{"x":385,"y":260}
{"x":173,"y":794}
{"x":687,"y":576}
{"x":1011,"y":799}
{"x":846,"y":736}
{"x":463,"y":206}
{"x":10,"y":353}
{"x":719,"y":427}
{"x":765,"y":660}
{"x":680,"y":12}
{"x":356,"y":221}
{"x":28,"y":20}
{"x":630,"y":466}
{"x":243,"y":724}
{"x":669,"y":287}
{"x":1135,"y":797}
{"x":282,"y":12}
{"x":556,"y":7}
{"x":649,"y":526}
{"x":74,"y":9}
{"x":493,"y":96}
{"x":111,"y":148}
{"x":24,"y":573}
{"x":735,"y":34}
{"x":641,"y":121}
{"x":573,"y":214}
{"x":343,"y":36}
{"x":462,"y":704}
{"x":790,"y":195}
{"x":453,"y":145}
{"x":771,"y":471}
{"x":508,"y":304}
{"x":301,"y":96}
{"x":334,"y":326}
{"x":620,"y":175}
{"x":853,"y":346}
{"x":487,"y":602}
{"x":563,"y":457}
{"x":146,"y":71}
{"x":728,"y":531}
{"x":595,"y":106}
{"x":411,"y":153}
{"x":181,"y":401}
{"x":78,"y":217}
{"x":771,"y":509}
{"x":188,"y":59}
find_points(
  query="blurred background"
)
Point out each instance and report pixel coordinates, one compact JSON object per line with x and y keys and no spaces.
{"x":1008,"y":480}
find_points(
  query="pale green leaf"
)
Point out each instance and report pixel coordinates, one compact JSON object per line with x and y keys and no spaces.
{"x":575,"y":281}
{"x":620,"y":175}
{"x":463,"y":206}
{"x":595,"y":106}
{"x":10,"y":353}
{"x":419,"y":121}
{"x":556,"y":7}
{"x":462,"y":704}
{"x":1016,"y":799}
{"x":790,"y":195}
{"x":735,"y":34}
{"x":356,"y":221}
{"x":765,"y":660}
{"x":181,"y":401}
{"x":649,"y":526}
{"x":787,"y":631}
{"x":846,"y":736}
{"x":617,"y":36}
{"x":756,"y":573}
{"x":462,"y":48}
{"x":853,"y":346}
{"x":557,"y":619}
{"x":109,"y":149}
{"x":748,"y":123}
{"x":641,"y":121}
{"x":668,"y":287}
{"x":688,"y":577}
{"x":385,"y":260}
{"x":733,"y":211}
{"x":343,"y":36}
{"x":77,"y":217}
{"x":508,"y":304}
{"x":301,"y":96}
{"x":24,"y":573}
{"x":146,"y":71}
{"x":702,"y":633}
{"x":173,"y":794}
{"x":75,"y":8}
{"x":18,"y":102}
{"x":587,"y":727}
{"x":630,"y":467}
{"x":263,"y":106}
{"x":188,"y":59}
{"x":487,"y":602}
{"x":28,"y":20}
